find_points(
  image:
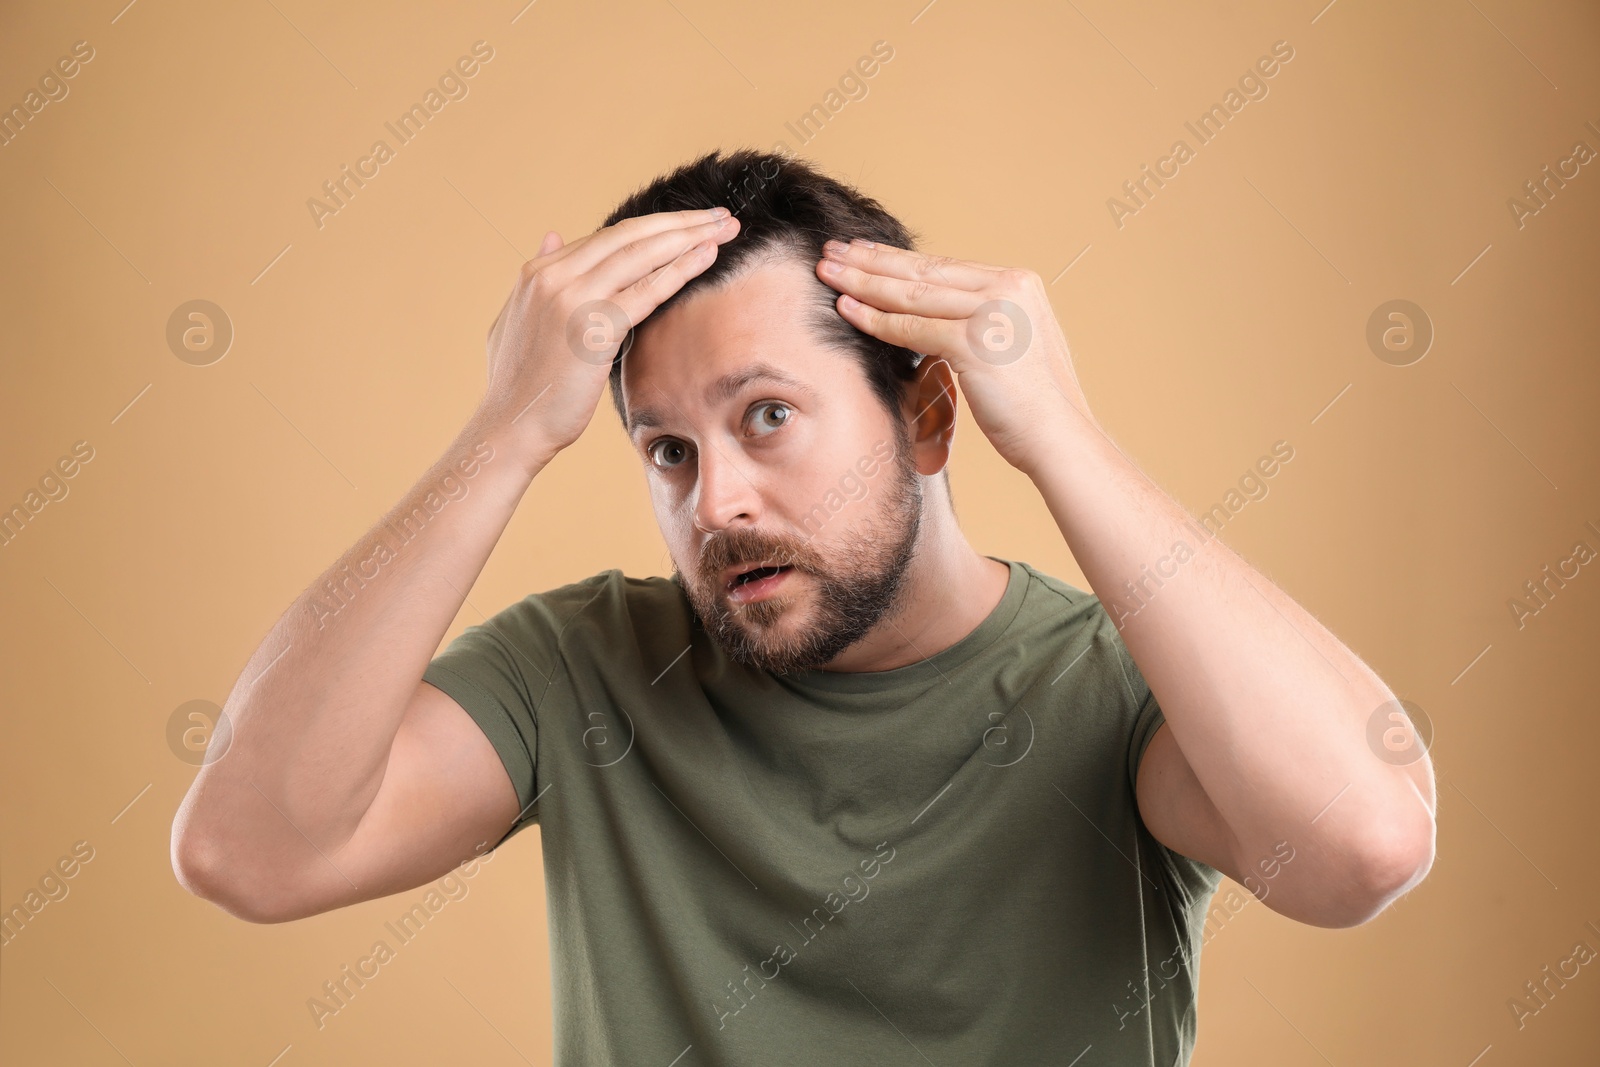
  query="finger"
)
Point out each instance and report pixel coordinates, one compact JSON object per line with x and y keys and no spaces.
{"x":897,"y":294}
{"x":638,"y":259}
{"x":586,"y":253}
{"x":648,"y":293}
{"x":552,"y":251}
{"x":936,"y":337}
{"x":914,"y":266}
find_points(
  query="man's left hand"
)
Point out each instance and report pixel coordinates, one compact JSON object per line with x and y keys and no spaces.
{"x":993,"y":325}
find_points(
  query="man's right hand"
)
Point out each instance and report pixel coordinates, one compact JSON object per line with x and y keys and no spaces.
{"x":550,"y":349}
{"x":347,"y":777}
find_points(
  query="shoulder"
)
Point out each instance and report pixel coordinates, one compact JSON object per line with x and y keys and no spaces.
{"x":613,"y":594}
{"x":604,"y":598}
{"x":1056,"y":603}
{"x":1055,"y":591}
{"x":608,"y":614}
{"x":1072,"y":628}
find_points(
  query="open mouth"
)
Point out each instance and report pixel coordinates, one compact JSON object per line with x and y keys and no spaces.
{"x":757,"y":574}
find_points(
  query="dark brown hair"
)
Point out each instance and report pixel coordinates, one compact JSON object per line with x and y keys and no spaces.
{"x":785,"y":208}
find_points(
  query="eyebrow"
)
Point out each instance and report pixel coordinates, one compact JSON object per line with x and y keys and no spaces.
{"x":722,"y":390}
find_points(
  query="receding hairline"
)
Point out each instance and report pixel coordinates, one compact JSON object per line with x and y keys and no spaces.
{"x":777,"y":249}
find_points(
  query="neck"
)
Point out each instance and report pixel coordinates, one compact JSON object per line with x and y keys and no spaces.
{"x":949,"y":589}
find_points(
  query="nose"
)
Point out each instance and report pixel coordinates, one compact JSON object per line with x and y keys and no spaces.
{"x":725,"y":493}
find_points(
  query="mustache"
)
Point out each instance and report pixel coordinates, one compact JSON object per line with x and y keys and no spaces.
{"x":724,"y":552}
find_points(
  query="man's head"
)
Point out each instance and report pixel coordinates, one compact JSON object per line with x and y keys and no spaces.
{"x":786,"y":209}
{"x":770,"y":428}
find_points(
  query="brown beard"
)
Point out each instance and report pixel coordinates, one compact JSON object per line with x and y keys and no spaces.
{"x":844,"y":602}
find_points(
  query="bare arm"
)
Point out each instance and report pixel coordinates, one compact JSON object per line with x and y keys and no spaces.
{"x":1266,"y":740}
{"x":269,"y":829}
{"x":345,"y":776}
{"x":1267,"y":714}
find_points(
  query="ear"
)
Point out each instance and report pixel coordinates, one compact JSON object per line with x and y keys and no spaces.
{"x":930,"y":413}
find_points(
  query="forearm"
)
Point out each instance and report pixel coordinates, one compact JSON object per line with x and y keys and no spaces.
{"x":1269,"y":709}
{"x":317,"y":707}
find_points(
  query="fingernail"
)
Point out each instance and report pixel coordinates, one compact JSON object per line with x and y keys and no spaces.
{"x":828,"y":266}
{"x":720,"y":212}
{"x":862,"y":242}
{"x":834,"y":246}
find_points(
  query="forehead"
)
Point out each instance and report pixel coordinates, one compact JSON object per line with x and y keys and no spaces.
{"x":756,"y":327}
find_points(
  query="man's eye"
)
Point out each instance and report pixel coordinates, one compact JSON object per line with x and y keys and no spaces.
{"x":668,"y":452}
{"x":770,"y":424}
{"x":662,"y":446}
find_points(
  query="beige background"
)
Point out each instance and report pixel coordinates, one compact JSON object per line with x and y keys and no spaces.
{"x":1226,"y":315}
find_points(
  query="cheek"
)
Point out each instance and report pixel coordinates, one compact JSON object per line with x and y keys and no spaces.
{"x":673,"y":504}
{"x":673,"y":510}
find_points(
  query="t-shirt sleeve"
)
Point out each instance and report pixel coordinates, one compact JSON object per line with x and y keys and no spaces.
{"x":1145,"y":723}
{"x":499,"y":671}
{"x":1141,"y":704}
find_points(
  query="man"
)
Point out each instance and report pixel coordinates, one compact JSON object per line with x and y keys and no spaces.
{"x":842,"y":789}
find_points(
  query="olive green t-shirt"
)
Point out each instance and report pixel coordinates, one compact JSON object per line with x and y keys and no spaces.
{"x":942,"y":863}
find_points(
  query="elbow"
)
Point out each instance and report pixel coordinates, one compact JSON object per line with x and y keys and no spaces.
{"x":203,"y":866}
{"x":1389,"y":863}
{"x":1403,"y":865}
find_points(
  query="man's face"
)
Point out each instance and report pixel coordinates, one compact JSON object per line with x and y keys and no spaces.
{"x":810,"y":472}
